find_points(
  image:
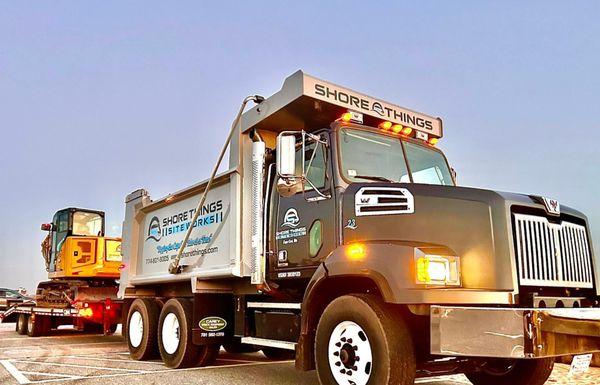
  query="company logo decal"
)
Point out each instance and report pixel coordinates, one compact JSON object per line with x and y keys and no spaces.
{"x":359,"y":102}
{"x":154,"y":229}
{"x":378,"y":108}
{"x":552,"y":206}
{"x":212,"y":324}
{"x":211,"y":213}
{"x":291,"y":218}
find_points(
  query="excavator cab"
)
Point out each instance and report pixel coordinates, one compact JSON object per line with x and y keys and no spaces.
{"x":77,"y":248}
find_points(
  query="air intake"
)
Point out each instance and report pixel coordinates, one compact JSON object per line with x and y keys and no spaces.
{"x":383,"y":201}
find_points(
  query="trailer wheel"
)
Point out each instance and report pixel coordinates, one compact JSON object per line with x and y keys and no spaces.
{"x":279,"y":354}
{"x":21,"y":326}
{"x":37,"y":325}
{"x":519,"y":372}
{"x":175,"y":337}
{"x":142,"y":322}
{"x":360,"y":340}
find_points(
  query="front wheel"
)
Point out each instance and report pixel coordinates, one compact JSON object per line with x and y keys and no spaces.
{"x":517,"y":372}
{"x":360,"y":340}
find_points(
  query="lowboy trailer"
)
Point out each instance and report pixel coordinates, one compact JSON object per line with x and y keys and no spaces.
{"x":338,"y":236}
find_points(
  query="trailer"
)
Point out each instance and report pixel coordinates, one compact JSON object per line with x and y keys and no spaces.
{"x":83,"y":271}
{"x":339,"y":237}
{"x":33,"y":320}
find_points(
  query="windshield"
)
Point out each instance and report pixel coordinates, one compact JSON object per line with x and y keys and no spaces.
{"x":87,"y":224}
{"x":367,"y":155}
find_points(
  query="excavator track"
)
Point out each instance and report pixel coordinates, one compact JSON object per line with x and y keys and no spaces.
{"x":63,"y":293}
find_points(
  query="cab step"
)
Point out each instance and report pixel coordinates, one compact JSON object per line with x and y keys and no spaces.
{"x":269,"y":343}
{"x":274,"y":305}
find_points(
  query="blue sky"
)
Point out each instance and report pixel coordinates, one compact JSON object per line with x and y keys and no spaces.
{"x":98,"y":99}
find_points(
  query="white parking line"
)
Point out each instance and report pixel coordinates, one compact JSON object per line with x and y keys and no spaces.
{"x":80,"y":366}
{"x":88,"y":358}
{"x":20,"y":377}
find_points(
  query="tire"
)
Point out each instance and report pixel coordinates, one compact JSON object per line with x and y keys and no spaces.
{"x":363,"y":326}
{"x":21,"y":325}
{"x":175,"y":337}
{"x":236,"y":347}
{"x":142,"y":324}
{"x":523,"y":372}
{"x":37,"y":325}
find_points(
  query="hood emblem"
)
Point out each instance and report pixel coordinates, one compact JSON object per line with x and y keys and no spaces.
{"x":552,"y":206}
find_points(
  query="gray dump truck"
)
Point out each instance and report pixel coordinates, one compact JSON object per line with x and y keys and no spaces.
{"x":339,"y":238}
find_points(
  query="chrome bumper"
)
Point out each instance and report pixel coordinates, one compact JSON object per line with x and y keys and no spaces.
{"x":513,"y":333}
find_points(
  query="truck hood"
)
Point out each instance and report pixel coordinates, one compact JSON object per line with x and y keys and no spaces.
{"x":474,"y":224}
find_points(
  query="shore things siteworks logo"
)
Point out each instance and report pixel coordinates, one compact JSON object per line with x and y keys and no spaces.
{"x":212,"y":213}
{"x":357,"y":102}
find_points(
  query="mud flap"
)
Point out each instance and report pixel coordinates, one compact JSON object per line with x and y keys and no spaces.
{"x":213,"y":319}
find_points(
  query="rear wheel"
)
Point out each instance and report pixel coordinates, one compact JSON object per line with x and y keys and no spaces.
{"x":21,"y":326}
{"x":142,"y":322}
{"x":175,"y":337}
{"x":360,"y":341}
{"x":513,"y":372}
{"x":37,"y":325}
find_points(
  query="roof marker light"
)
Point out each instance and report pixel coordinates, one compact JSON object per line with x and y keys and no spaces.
{"x":433,"y":141}
{"x":385,"y":125}
{"x":406,"y":131}
{"x":352,"y":116}
{"x":397,"y":128}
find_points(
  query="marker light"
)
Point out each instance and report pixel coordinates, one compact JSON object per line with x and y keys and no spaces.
{"x":352,"y":116}
{"x":86,"y":312}
{"x":438,"y":270}
{"x":397,"y":128}
{"x":406,"y":131}
{"x":433,"y":141}
{"x":356,"y":251}
{"x":385,"y":125}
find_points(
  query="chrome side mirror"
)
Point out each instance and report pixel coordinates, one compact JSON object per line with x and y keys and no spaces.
{"x":288,"y":183}
{"x":286,"y":156}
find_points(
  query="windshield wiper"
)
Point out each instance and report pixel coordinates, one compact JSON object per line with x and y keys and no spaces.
{"x":375,"y":178}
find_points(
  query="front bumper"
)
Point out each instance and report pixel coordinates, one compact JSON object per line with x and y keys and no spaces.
{"x":514,"y":333}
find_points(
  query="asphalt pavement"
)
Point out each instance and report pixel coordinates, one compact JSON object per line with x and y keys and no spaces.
{"x":69,"y":357}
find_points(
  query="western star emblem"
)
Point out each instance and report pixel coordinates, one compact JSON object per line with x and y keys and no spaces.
{"x":552,"y":206}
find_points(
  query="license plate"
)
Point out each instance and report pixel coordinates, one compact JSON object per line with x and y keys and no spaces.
{"x":580,"y":364}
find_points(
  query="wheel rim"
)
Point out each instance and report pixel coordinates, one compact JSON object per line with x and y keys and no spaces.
{"x":135,"y":329}
{"x":170,"y":333}
{"x":349,"y":354}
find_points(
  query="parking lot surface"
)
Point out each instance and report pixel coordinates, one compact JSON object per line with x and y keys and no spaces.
{"x":70,"y":357}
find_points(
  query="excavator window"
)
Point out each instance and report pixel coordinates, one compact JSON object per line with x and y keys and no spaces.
{"x":87,"y":224}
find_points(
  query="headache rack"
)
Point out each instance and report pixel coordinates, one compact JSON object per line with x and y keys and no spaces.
{"x":552,"y":254}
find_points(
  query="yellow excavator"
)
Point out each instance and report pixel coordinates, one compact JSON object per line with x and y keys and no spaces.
{"x":82,"y":264}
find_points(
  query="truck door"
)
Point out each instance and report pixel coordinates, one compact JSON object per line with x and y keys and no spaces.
{"x":304,"y":224}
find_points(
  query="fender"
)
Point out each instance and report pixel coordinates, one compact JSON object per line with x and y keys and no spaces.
{"x":388,"y":267}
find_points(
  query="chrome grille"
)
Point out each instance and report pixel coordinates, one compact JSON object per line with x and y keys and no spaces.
{"x":550,"y":254}
{"x":383,"y":201}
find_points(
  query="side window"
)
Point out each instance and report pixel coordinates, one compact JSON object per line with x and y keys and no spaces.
{"x":62,"y":227}
{"x":316,"y":170}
